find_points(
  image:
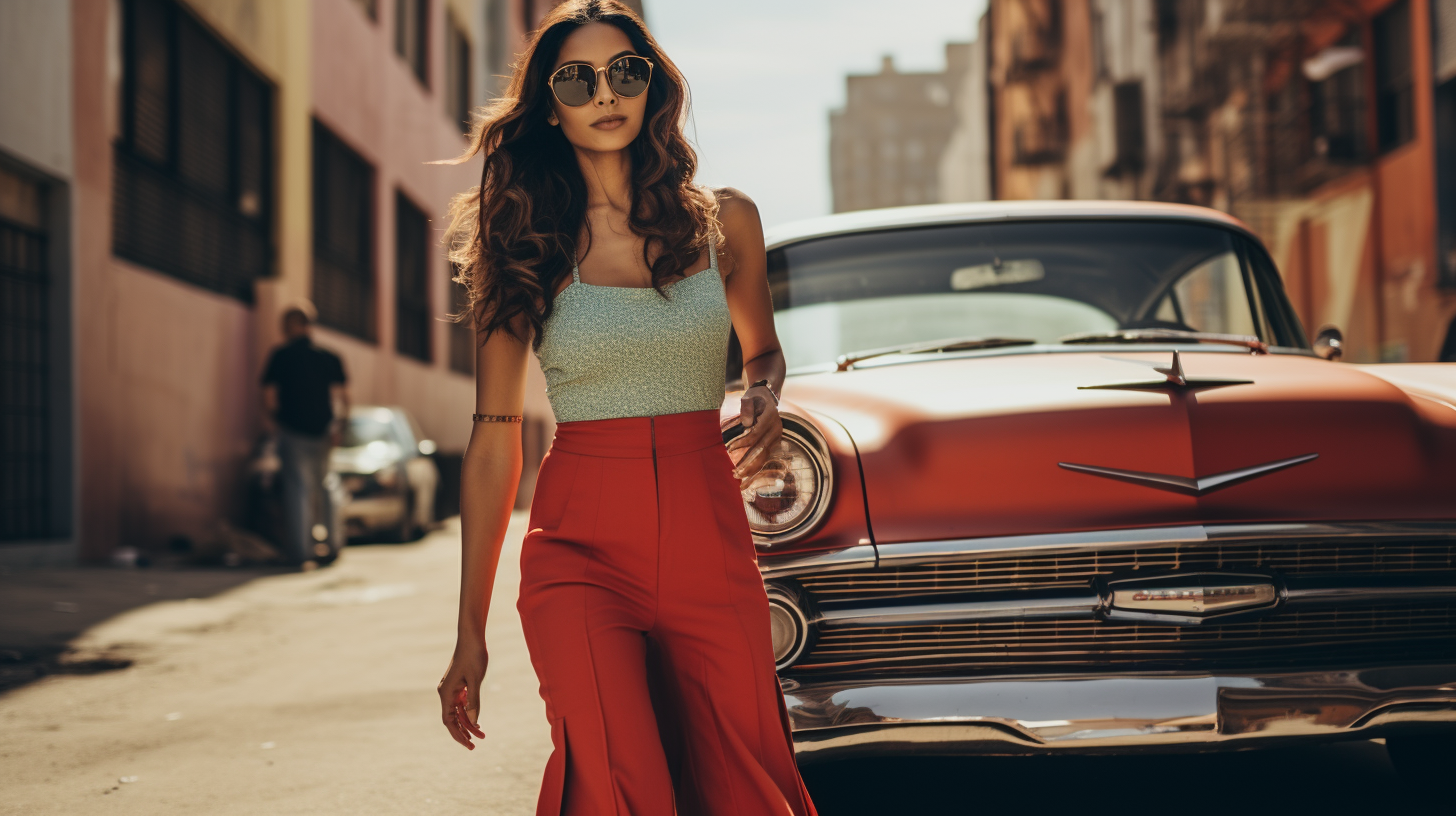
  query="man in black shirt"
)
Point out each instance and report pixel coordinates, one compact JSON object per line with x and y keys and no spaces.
{"x":301,"y":385}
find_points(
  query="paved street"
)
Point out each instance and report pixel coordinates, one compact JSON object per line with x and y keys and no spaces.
{"x":314,"y":693}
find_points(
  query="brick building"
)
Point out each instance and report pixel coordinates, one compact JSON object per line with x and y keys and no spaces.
{"x":182,"y":171}
{"x":886,"y":144}
{"x":1329,"y":127}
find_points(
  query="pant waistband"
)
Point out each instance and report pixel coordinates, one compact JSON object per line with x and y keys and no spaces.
{"x":637,"y":437}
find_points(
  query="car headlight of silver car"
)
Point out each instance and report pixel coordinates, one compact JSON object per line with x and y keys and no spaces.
{"x":790,"y":494}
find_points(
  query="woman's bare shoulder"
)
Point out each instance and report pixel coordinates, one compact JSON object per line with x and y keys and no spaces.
{"x":738,"y":215}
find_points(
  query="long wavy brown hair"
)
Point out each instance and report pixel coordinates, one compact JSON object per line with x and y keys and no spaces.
{"x":512,"y":238}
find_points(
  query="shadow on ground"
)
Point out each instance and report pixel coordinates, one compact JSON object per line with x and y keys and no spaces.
{"x":1344,"y":778}
{"x":43,"y":610}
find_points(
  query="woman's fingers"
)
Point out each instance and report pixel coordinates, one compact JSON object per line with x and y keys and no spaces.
{"x":469,"y":708}
{"x":452,"y":689}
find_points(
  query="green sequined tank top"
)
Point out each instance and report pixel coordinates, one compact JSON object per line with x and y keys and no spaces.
{"x":619,"y":351}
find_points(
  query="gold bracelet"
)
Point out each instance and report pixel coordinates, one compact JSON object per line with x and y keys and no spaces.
{"x":495,"y":418}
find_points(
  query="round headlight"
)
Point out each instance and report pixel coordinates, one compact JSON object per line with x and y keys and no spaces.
{"x":790,"y":493}
{"x":789,"y":628}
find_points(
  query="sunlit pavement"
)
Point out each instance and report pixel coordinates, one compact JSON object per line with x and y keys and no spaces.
{"x":314,"y":693}
{"x":298,"y":693}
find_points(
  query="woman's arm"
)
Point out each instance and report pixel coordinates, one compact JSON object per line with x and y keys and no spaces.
{"x":490,"y":474}
{"x":751,"y":307}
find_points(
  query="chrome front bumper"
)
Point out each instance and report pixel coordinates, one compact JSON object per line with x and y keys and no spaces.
{"x":1114,"y":713}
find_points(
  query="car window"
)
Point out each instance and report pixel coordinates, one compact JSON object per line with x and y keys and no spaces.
{"x":1210,"y":298}
{"x":1035,"y":280}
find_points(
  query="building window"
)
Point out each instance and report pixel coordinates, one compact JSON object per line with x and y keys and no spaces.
{"x":25,"y":406}
{"x":411,"y":282}
{"x":457,"y":75}
{"x":194,"y":163}
{"x":412,"y":35}
{"x":1394,"y":80}
{"x":343,"y":229}
{"x":497,"y":45}
{"x":462,"y":334}
{"x":1127,"y":104}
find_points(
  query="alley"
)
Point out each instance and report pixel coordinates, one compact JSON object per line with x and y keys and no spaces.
{"x":314,"y":693}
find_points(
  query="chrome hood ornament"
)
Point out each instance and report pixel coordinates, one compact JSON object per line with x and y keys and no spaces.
{"x":1197,"y":486}
{"x":1173,"y":375}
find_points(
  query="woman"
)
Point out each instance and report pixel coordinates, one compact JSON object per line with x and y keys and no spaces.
{"x":641,"y":602}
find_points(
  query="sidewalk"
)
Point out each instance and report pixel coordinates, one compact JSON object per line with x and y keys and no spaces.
{"x":268,"y":693}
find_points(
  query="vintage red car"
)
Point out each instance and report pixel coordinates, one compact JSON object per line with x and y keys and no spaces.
{"x":1069,"y":477}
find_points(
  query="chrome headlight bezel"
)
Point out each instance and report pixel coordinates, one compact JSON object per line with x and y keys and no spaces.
{"x":784,"y":601}
{"x":801,"y":432}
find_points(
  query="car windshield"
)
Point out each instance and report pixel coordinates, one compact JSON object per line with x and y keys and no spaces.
{"x":1041,"y":281}
{"x":369,"y":425}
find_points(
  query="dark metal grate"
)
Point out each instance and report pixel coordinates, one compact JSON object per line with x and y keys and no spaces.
{"x":25,"y":509}
{"x":343,"y":230}
{"x":191,"y":195}
{"x":1076,"y":569}
{"x":1304,"y":638}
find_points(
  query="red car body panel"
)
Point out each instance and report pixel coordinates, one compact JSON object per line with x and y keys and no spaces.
{"x":970,"y":446}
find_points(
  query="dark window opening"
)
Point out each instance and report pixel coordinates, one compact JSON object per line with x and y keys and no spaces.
{"x":457,"y":76}
{"x":411,"y":280}
{"x":1337,"y":113}
{"x":1394,"y":79}
{"x":412,"y":36}
{"x":25,"y":451}
{"x":192,"y":189}
{"x":1127,"y":103}
{"x":343,"y":230}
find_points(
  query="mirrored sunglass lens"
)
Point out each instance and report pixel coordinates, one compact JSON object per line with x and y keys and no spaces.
{"x":573,"y":85}
{"x":629,"y":76}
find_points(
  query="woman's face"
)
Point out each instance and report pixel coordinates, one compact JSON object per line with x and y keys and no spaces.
{"x":608,"y":122}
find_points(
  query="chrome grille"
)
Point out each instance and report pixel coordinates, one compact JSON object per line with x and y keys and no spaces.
{"x":1304,"y":638}
{"x":1045,"y":570}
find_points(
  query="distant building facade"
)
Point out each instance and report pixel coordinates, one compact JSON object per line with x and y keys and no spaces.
{"x":886,"y":144}
{"x":1330,"y":128}
{"x":182,"y":172}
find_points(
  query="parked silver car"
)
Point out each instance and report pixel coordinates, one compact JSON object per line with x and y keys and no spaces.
{"x":385,"y":465}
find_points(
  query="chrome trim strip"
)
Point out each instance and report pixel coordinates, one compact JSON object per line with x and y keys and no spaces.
{"x":1196,"y":486}
{"x":858,"y":557}
{"x":1083,"y":605}
{"x":1367,"y":594}
{"x":909,"y":553}
{"x":1112,"y":713}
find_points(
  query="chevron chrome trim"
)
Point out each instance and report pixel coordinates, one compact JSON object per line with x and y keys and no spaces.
{"x":1198,"y":486}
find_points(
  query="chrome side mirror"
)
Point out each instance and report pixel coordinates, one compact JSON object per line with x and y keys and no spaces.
{"x":1329,"y":343}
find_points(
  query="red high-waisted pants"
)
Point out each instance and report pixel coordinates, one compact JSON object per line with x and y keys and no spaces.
{"x":648,"y":627}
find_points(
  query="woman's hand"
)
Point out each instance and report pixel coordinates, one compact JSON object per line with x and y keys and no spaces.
{"x":460,"y":692}
{"x":751,"y":449}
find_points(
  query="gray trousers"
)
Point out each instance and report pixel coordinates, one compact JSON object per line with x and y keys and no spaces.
{"x":304,"y":461}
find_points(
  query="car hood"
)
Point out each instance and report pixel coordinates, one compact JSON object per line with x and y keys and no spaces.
{"x":976,"y":445}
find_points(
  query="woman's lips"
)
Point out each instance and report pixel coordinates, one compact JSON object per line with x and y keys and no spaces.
{"x":609,"y":122}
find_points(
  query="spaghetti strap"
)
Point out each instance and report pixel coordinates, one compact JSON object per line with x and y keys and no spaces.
{"x":575,"y":269}
{"x":712,"y":256}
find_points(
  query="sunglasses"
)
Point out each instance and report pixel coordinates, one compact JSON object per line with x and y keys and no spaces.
{"x":575,"y":83}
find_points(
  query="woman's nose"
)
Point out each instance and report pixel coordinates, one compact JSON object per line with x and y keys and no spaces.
{"x":604,"y":90}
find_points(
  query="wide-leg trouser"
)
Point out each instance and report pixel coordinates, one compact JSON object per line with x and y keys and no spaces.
{"x":648,"y":627}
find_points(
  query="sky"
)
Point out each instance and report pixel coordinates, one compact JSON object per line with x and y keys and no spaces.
{"x":765,"y":74}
